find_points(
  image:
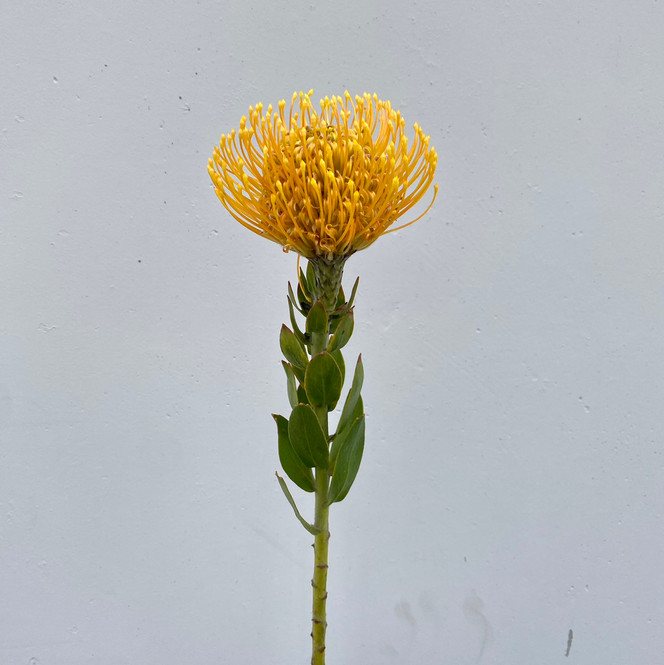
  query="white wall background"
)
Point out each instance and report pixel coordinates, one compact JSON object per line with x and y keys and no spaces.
{"x":512,"y":486}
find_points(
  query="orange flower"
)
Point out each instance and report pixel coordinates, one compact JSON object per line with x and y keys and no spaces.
{"x":325,"y":184}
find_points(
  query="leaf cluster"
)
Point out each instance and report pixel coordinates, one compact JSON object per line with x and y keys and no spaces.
{"x":315,"y":374}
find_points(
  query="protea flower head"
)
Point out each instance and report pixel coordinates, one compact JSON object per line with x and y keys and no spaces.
{"x":326,"y":183}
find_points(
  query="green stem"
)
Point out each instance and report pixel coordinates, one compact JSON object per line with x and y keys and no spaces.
{"x":319,"y":581}
{"x":321,"y":521}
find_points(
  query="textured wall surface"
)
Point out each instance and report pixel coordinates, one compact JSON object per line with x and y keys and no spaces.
{"x":512,"y":486}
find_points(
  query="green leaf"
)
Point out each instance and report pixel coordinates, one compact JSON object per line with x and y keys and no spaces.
{"x":292,"y":348}
{"x":314,"y":530}
{"x":296,"y":329}
{"x":307,"y":436}
{"x":303,"y":295}
{"x":294,"y":467}
{"x":351,"y":300}
{"x":342,"y":433}
{"x":302,"y":393}
{"x":317,"y":319}
{"x":339,"y":438}
{"x":343,"y":332}
{"x":299,"y":373}
{"x":339,"y":359}
{"x":336,"y":317}
{"x":350,"y":406}
{"x":291,"y":384}
{"x":348,"y":462}
{"x":302,"y":280}
{"x":293,"y":299}
{"x":341,"y":298}
{"x":322,"y":380}
{"x":310,"y":279}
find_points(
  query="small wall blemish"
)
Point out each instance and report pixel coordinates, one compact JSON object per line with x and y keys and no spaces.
{"x":473,"y":608}
{"x":403,"y":611}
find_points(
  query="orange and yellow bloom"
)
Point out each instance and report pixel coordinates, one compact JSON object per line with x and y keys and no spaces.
{"x":323,"y":183}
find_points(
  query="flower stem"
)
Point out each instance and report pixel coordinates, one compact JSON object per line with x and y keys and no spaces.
{"x":319,"y":581}
{"x":321,"y":521}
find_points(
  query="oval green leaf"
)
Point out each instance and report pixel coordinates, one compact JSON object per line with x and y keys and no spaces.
{"x":292,"y":348}
{"x":348,"y":462}
{"x":307,"y":437}
{"x":342,"y":433}
{"x":323,"y":381}
{"x":294,"y":467}
{"x":343,"y":332}
{"x":317,"y":319}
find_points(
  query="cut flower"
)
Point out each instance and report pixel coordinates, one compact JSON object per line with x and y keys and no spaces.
{"x":325,"y":184}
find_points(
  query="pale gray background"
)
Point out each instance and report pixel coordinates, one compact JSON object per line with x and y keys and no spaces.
{"x":512,"y":486}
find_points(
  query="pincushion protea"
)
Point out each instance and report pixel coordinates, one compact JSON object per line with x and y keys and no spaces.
{"x":323,"y":183}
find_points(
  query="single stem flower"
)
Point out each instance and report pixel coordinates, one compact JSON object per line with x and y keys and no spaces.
{"x":325,"y":184}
